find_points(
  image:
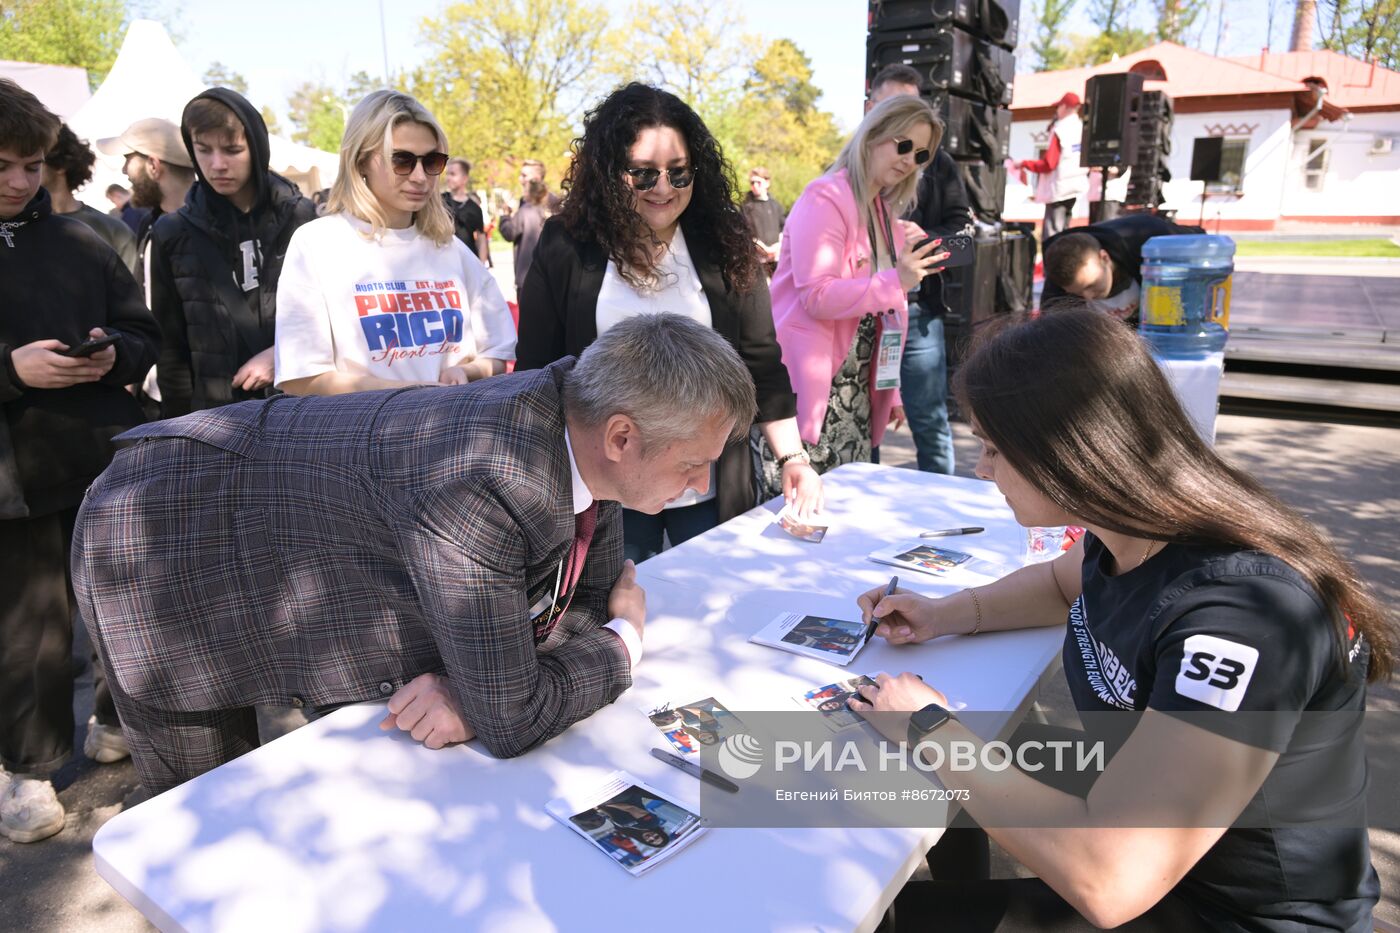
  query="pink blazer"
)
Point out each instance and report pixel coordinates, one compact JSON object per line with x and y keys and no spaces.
{"x":822,"y":288}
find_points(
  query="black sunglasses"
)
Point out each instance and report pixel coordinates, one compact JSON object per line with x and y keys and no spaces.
{"x":405,"y":162}
{"x":905,"y":146}
{"x":644,"y":179}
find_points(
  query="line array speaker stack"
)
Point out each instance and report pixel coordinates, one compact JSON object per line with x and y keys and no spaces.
{"x":962,"y":50}
{"x":1150,"y":172}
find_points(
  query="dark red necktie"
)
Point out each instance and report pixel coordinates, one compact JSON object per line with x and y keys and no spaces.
{"x":584,"y":524}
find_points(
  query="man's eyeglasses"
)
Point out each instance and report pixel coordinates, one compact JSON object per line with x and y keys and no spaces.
{"x":405,"y":162}
{"x":905,"y":146}
{"x":644,"y":179}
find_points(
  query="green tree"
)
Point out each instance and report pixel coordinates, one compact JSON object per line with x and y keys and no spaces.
{"x":220,"y":75}
{"x":317,"y":115}
{"x":775,"y":122}
{"x":1049,"y":48}
{"x":1083,"y":51}
{"x":1175,"y":17}
{"x":695,"y":50}
{"x":508,"y":78}
{"x":1368,"y":31}
{"x":273,"y":125}
{"x":85,"y":33}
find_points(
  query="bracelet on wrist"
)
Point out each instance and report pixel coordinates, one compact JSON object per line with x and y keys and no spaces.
{"x":977,"y":607}
{"x":800,"y":455}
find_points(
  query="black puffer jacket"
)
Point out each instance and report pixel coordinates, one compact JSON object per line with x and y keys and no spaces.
{"x":212,"y":326}
{"x":59,"y":280}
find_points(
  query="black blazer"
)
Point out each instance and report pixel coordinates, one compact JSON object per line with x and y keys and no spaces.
{"x":559,"y":317}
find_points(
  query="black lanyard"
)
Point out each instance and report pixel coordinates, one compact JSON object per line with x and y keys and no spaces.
{"x":889,"y":237}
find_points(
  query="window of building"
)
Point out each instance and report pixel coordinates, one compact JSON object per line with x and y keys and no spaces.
{"x":1315,"y":168}
{"x":1232,"y":155}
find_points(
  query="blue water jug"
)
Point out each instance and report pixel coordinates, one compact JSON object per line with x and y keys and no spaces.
{"x":1186,"y":294}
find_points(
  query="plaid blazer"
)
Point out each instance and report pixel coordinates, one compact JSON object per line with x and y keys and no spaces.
{"x":328,"y":550}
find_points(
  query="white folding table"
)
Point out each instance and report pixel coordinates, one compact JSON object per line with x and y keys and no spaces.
{"x":339,"y":826}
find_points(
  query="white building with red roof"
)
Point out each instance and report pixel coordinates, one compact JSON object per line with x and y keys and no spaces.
{"x":1290,"y":152}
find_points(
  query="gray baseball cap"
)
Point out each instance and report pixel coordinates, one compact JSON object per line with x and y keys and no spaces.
{"x":152,"y":136}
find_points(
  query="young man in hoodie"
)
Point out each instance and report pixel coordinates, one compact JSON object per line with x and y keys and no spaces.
{"x":215,"y":262}
{"x":62,"y":286}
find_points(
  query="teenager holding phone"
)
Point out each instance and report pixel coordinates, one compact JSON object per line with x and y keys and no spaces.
{"x":63,"y":285}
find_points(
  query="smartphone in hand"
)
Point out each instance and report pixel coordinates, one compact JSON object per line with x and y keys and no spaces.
{"x":961,"y":249}
{"x":91,"y":345}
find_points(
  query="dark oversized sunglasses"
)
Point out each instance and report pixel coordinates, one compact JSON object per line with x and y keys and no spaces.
{"x":905,"y":146}
{"x":644,"y":179}
{"x":405,"y":162}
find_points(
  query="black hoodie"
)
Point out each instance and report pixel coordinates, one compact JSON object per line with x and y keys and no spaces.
{"x":214,"y":272}
{"x":60,"y":280}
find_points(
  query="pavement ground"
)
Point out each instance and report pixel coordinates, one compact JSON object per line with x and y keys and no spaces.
{"x":1346,"y":477}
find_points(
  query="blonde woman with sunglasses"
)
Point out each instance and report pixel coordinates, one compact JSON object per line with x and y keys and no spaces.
{"x":379,"y":293}
{"x":839,"y":302}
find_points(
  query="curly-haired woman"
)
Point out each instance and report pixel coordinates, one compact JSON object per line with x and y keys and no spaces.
{"x":650,"y":225}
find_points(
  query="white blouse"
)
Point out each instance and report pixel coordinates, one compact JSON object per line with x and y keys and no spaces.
{"x":678,"y":291}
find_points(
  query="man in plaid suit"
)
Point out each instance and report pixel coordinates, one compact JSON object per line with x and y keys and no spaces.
{"x":322,"y":551}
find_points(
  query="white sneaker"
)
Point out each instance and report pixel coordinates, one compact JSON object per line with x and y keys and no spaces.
{"x":29,"y":810}
{"x":104,"y":744}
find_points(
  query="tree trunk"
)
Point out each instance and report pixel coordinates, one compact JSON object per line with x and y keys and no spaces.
{"x":1303,"y":17}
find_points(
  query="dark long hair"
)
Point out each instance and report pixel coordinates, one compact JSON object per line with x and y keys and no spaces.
{"x":599,"y":208}
{"x":1077,"y":405}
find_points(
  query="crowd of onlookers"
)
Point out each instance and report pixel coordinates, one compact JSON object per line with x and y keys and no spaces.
{"x":215,"y":280}
{"x":220,"y":282}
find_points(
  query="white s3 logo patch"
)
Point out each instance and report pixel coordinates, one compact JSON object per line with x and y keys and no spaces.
{"x":1215,"y":671}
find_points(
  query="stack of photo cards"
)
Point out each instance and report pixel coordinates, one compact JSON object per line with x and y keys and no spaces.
{"x":811,"y":529}
{"x":634,"y":825}
{"x":937,"y":561}
{"x":830,"y":701}
{"x":826,"y":639}
{"x":691,"y":726}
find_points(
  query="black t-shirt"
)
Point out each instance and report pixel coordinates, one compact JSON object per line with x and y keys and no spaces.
{"x":1217,"y":637}
{"x":765,"y":218}
{"x":467,"y":219}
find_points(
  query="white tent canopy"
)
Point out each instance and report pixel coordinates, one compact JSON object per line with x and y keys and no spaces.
{"x":61,"y":88}
{"x":151,"y":79}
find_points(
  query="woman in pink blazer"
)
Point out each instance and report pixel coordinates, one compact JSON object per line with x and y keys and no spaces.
{"x":841,"y":283}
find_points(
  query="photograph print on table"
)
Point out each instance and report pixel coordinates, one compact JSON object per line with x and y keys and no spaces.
{"x":691,"y":726}
{"x":820,"y":637}
{"x":831,"y":699}
{"x":633,"y":824}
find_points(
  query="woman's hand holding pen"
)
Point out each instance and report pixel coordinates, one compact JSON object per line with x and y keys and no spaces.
{"x":904,"y":617}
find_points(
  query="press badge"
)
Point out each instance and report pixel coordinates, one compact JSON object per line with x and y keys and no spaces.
{"x":887,"y":360}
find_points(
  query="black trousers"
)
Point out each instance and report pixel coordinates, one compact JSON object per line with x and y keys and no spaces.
{"x":36,"y":645}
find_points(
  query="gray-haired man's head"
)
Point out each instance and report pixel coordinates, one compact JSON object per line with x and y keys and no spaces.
{"x":659,"y":397}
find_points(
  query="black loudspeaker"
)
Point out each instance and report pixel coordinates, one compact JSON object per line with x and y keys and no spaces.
{"x":947,"y":59}
{"x":994,"y":20}
{"x":921,"y":14}
{"x":971,"y":291}
{"x":972,"y":130}
{"x":1205,"y":158}
{"x":1150,"y":170}
{"x":1110,"y":131}
{"x":986,"y":189}
{"x":1015,"y":279}
{"x":942,"y":56}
